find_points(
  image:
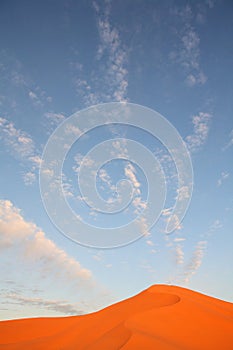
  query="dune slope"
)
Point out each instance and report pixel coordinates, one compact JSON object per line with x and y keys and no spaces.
{"x":161,"y":317}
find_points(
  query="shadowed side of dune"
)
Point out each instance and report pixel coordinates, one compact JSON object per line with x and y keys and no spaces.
{"x":114,"y":339}
{"x":161,"y":317}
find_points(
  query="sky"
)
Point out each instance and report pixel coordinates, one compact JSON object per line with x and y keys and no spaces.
{"x":58,"y":58}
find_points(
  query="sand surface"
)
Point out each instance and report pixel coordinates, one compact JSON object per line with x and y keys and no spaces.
{"x":161,"y":317}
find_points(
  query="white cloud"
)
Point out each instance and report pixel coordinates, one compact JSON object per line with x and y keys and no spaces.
{"x":18,"y":79}
{"x":197,"y":79}
{"x":80,"y":160}
{"x":35,"y":247}
{"x":150,"y":243}
{"x":105,"y":177}
{"x":38,"y":97}
{"x":120,"y":149}
{"x":195,"y":261}
{"x":18,"y":141}
{"x":36,"y":160}
{"x":54,"y":118}
{"x":201,"y":125}
{"x":166,"y":211}
{"x":130,"y":173}
{"x":19,"y":84}
{"x":72,"y":129}
{"x":167,"y":214}
{"x":108,"y":266}
{"x":154,"y":251}
{"x":109,"y":80}
{"x":183,"y":192}
{"x":116,"y":74}
{"x":215,"y":226}
{"x":20,"y":145}
{"x":188,"y":53}
{"x":223,"y":177}
{"x":32,"y":95}
{"x":60,"y":306}
{"x":197,"y":257}
{"x":143,"y":226}
{"x":179,"y":239}
{"x":230,"y":142}
{"x":29,"y":178}
{"x":137,"y":202}
{"x":179,"y":254}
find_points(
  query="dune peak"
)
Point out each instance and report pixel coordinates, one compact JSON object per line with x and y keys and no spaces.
{"x":161,"y":317}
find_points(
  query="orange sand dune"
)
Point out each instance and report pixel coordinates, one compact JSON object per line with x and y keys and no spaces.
{"x":161,"y":317}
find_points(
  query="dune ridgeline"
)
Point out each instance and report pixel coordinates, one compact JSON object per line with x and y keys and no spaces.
{"x":161,"y":317}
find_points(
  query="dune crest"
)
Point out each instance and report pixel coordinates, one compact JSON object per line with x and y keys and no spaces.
{"x":161,"y":317}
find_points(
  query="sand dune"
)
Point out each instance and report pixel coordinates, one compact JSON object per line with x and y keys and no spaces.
{"x":161,"y":317}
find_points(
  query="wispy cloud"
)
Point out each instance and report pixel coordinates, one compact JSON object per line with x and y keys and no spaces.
{"x":21,"y":146}
{"x":201,"y":125}
{"x":188,"y":53}
{"x":179,"y":239}
{"x":18,"y":141}
{"x":34,"y":98}
{"x":110,"y":44}
{"x":29,"y":178}
{"x":215,"y":226}
{"x":34,"y":247}
{"x":59,"y":306}
{"x":138,"y":203}
{"x":149,"y":242}
{"x":224,"y":175}
{"x":17,"y":80}
{"x":109,"y":80}
{"x":230,"y":142}
{"x":196,"y":261}
{"x":130,"y":173}
{"x":166,"y":214}
{"x":179,"y":254}
{"x":54,"y":119}
{"x":106,"y":179}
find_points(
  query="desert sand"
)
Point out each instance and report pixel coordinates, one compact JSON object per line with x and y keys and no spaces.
{"x":161,"y":317}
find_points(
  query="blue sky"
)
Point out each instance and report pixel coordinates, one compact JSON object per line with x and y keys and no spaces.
{"x":59,"y":57}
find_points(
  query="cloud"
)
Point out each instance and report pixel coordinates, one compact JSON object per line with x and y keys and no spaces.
{"x":18,"y":85}
{"x":34,"y":247}
{"x":188,"y":53}
{"x":150,"y":243}
{"x":35,"y":99}
{"x":54,"y":118}
{"x":21,"y":146}
{"x":137,"y":202}
{"x":179,"y":239}
{"x":29,"y":178}
{"x":110,"y":44}
{"x":179,"y":254}
{"x":195,"y":261}
{"x":215,"y":226}
{"x":109,"y":80}
{"x":60,"y":306}
{"x":130,"y":173}
{"x":230,"y":142}
{"x":222,"y":178}
{"x":201,"y":125}
{"x":106,"y":179}
{"x":18,"y":141}
{"x":167,"y":212}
